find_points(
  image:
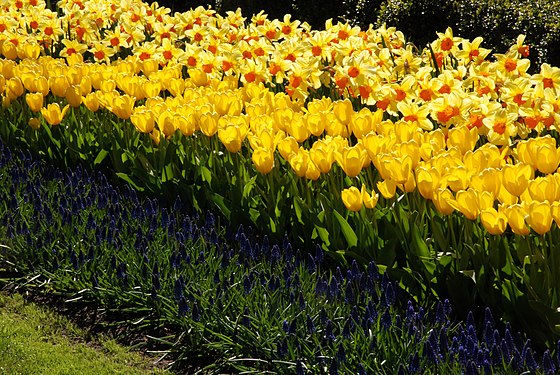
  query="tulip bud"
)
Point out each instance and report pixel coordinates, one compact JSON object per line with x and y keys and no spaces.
{"x":34,"y":123}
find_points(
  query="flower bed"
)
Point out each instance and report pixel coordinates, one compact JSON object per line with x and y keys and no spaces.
{"x":440,"y":165}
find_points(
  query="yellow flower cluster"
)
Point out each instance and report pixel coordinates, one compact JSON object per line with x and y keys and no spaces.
{"x":421,"y":115}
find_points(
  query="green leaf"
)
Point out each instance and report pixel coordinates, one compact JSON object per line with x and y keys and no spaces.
{"x":418,"y":243}
{"x":127,"y":178}
{"x":206,"y":174}
{"x":322,"y":233}
{"x":100,"y":157}
{"x":219,"y":201}
{"x":249,"y":186}
{"x":347,"y":231}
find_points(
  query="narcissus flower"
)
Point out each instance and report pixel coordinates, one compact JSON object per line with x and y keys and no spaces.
{"x":352,"y":198}
{"x":53,"y":114}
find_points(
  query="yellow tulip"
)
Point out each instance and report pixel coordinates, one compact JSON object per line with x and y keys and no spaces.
{"x":107,"y":85}
{"x":458,"y":178}
{"x":85,"y":85}
{"x":505,"y":197}
{"x":176,"y":86}
{"x":34,"y":101}
{"x":427,"y":180}
{"x":351,"y":159}
{"x":400,"y":169}
{"x":441,"y":199}
{"x":312,"y":172}
{"x":352,"y":198}
{"x":232,"y":137}
{"x":198,"y":77}
{"x":315,"y":123}
{"x":53,"y":114}
{"x":150,"y":66}
{"x":58,"y":85}
{"x":91,"y":102}
{"x":343,"y":111}
{"x":298,"y":129}
{"x":555,"y":206}
{"x":548,"y":158}
{"x":466,"y":202}
{"x":73,"y":96}
{"x":37,"y":84}
{"x":410,"y":184}
{"x":151,"y":89}
{"x":9,"y":50}
{"x":30,"y":51}
{"x":487,"y":180}
{"x":369,"y":200}
{"x":166,"y":124}
{"x":463,"y":138}
{"x":288,"y":147}
{"x":15,"y":87}
{"x":156,"y":136}
{"x":209,"y":123}
{"x":299,"y":162}
{"x":544,"y":188}
{"x":516,"y":177}
{"x":322,"y":157}
{"x":387,"y":188}
{"x":539,"y":216}
{"x":493,"y":221}
{"x":122,"y":106}
{"x":263,"y":159}
{"x":185,"y":123}
{"x":516,"y":215}
{"x":143,"y":121}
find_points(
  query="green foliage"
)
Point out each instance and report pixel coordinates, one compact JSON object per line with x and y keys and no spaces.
{"x":221,"y":300}
{"x":498,"y":22}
